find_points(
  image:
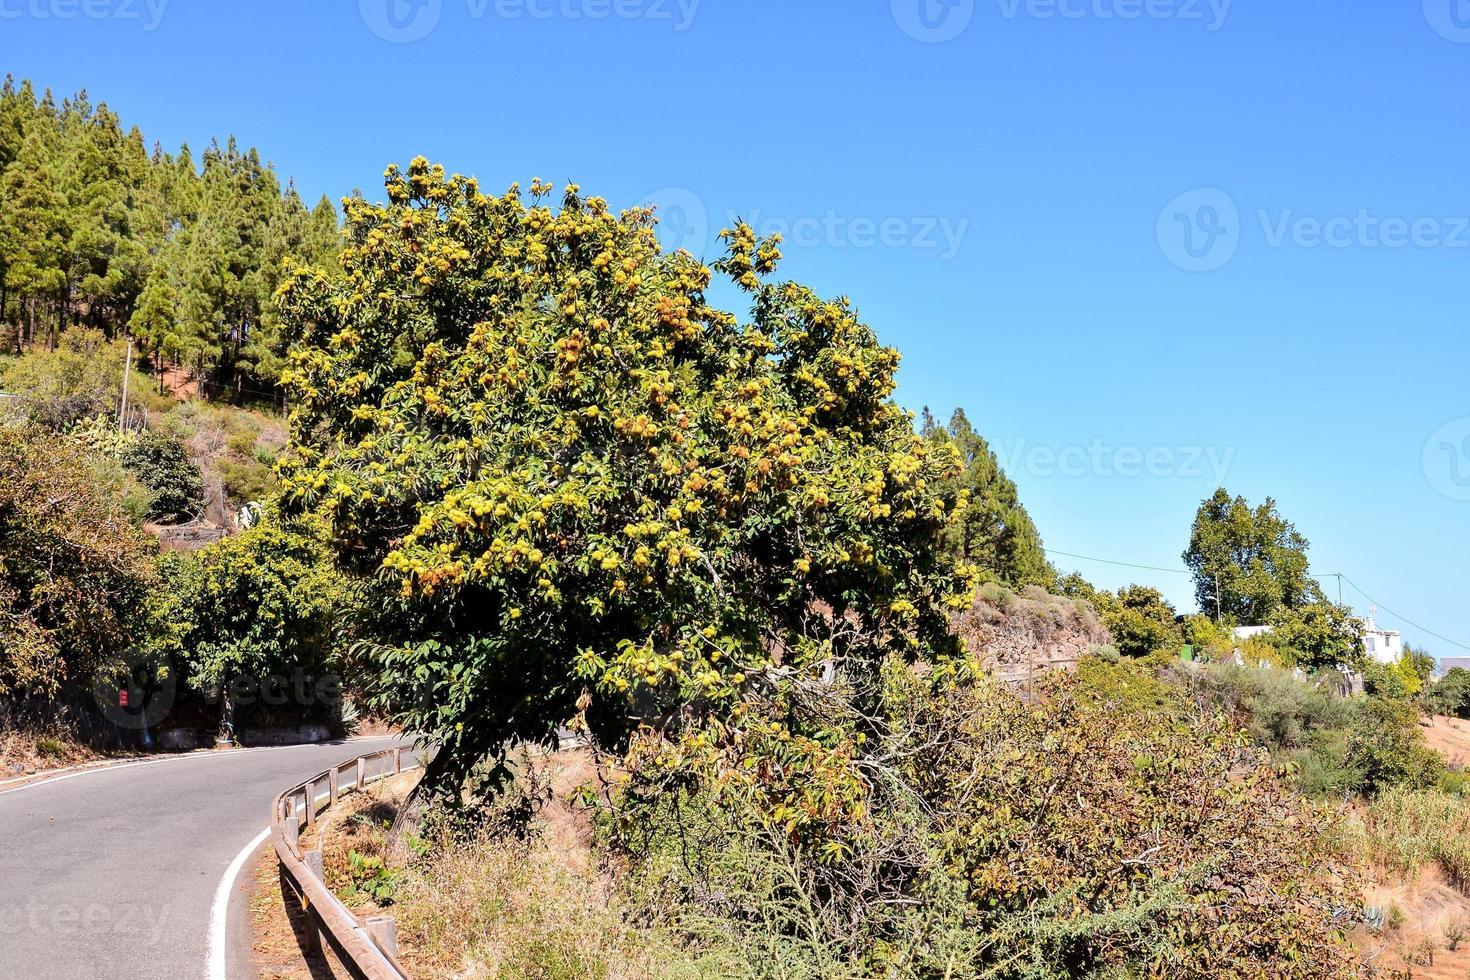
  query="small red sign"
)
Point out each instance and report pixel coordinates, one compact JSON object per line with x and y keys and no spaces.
{"x":122,"y":698}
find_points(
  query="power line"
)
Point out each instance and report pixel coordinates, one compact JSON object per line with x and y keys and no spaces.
{"x":1405,"y":619}
{"x":1125,"y":564}
{"x":1338,"y":575}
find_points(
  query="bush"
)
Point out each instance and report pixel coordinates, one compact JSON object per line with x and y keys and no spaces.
{"x":1055,"y":834}
{"x":80,"y":379}
{"x":1386,"y":747}
{"x":166,"y":469}
{"x":74,"y":572}
{"x":261,"y":604}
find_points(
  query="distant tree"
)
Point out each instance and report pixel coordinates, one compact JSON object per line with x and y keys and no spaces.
{"x":1451,"y":694}
{"x":992,"y":530}
{"x":256,"y":605}
{"x":1248,"y":563}
{"x":1423,"y":663}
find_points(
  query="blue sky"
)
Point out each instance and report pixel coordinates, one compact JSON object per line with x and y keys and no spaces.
{"x":1145,"y":243}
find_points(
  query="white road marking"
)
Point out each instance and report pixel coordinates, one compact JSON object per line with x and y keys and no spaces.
{"x":63,"y":775}
{"x":219,"y":946}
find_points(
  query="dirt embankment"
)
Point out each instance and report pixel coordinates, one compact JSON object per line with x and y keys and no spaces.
{"x":1021,"y":634}
{"x":1450,"y":737}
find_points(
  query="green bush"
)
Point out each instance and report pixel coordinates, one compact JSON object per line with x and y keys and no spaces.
{"x":75,"y":574}
{"x":1065,"y":832}
{"x":166,"y":469}
{"x":1387,"y":749}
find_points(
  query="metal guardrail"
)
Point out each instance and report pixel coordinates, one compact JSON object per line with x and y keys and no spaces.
{"x":369,"y":949}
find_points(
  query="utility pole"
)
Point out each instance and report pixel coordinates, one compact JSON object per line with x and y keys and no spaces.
{"x":122,"y":412}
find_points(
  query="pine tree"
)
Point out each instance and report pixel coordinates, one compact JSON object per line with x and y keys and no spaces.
{"x":994,"y":531}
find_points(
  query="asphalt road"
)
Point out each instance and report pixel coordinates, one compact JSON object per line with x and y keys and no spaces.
{"x":111,"y":874}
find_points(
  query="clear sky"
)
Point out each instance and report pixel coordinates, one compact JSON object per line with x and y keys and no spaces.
{"x":1151,"y":246}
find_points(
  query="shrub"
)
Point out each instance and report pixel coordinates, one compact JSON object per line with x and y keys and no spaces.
{"x":79,"y":379}
{"x":166,"y":469}
{"x":1055,"y":834}
{"x":1455,"y":933}
{"x":74,"y":572}
{"x":1387,"y":748}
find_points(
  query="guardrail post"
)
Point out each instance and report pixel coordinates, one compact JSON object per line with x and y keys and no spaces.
{"x":293,"y":831}
{"x":315,"y":939}
{"x":397,"y":759}
{"x":311,"y":803}
{"x":361,"y":772}
{"x":332,"y":786}
{"x":385,"y":933}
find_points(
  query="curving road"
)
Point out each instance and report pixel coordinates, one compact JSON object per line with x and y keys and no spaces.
{"x":112,"y":873}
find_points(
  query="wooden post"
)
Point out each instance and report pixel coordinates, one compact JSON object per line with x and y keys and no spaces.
{"x":293,"y":831}
{"x":313,"y":860}
{"x":397,"y":760}
{"x":311,"y":804}
{"x":332,"y":787}
{"x":361,"y":772}
{"x":385,"y":933}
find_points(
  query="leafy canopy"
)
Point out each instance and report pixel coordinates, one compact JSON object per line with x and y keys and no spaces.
{"x":575,"y":473}
{"x":1252,"y":558}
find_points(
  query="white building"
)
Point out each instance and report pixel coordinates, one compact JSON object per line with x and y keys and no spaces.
{"x":1384,"y":646}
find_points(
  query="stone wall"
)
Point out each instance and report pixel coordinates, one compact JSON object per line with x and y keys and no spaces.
{"x":1020,"y":635}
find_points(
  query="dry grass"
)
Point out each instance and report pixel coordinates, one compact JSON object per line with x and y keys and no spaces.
{"x":1417,"y":844}
{"x":1404,"y":831}
{"x":497,"y":906}
{"x":280,"y":927}
{"x":36,"y":747}
{"x":1450,"y":737}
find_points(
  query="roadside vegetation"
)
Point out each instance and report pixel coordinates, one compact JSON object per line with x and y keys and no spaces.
{"x":534,"y":480}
